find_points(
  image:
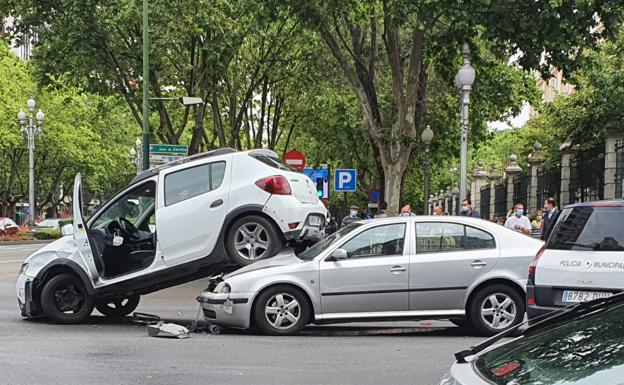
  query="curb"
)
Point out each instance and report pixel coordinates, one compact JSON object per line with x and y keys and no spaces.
{"x":30,"y":242}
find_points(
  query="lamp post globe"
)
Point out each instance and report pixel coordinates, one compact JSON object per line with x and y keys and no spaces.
{"x":31,"y":104}
{"x":40,"y":116}
{"x":21,"y":116}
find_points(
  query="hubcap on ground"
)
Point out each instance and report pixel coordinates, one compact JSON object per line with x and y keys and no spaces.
{"x":498,"y":311}
{"x":68,"y":299}
{"x":251,"y":241}
{"x":282,"y":311}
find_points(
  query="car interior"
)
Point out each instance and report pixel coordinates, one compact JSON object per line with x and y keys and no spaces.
{"x":123,"y":236}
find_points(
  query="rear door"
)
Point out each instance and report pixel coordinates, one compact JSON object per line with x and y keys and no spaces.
{"x":81,"y":233}
{"x":449,"y":257}
{"x":584,"y":256}
{"x":192,"y":205}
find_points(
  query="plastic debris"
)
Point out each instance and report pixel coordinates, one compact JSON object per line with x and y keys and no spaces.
{"x":170,"y":330}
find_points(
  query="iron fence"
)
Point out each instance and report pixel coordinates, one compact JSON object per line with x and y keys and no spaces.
{"x":500,"y":200}
{"x":548,"y":185}
{"x":619,"y":169}
{"x":521,"y":184}
{"x":587,"y":176}
{"x":485,"y":202}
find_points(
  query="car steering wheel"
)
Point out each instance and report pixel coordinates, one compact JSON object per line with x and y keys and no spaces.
{"x":128,"y":229}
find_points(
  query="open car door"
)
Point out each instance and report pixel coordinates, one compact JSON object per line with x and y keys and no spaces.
{"x":81,"y":233}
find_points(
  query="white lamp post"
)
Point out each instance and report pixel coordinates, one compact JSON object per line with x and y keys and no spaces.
{"x":30,"y":131}
{"x":427,"y":137}
{"x":136,"y":154}
{"x":464,"y":79}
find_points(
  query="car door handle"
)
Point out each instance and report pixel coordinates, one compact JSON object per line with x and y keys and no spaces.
{"x":478,"y":263}
{"x":216,"y":203}
{"x":397,"y":269}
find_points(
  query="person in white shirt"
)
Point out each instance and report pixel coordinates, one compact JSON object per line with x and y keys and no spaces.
{"x":519,"y":221}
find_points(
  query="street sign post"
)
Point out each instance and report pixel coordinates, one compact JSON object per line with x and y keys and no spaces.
{"x":345,"y":180}
{"x":160,"y":154}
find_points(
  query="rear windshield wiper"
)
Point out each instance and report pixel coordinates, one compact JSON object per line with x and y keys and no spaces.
{"x":592,"y":246}
{"x":539,"y":323}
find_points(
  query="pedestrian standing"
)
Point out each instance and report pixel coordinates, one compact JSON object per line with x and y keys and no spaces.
{"x":467,"y":210}
{"x":381,"y":213}
{"x":519,"y":222}
{"x":439,"y":211}
{"x":406,"y":211}
{"x":550,"y":213}
{"x":352,"y":217}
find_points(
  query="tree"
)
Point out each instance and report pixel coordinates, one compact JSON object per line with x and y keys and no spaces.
{"x":393,"y":43}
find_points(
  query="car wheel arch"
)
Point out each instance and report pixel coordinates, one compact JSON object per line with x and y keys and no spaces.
{"x":254,"y":300}
{"x":493,"y":281}
{"x":245,"y":211}
{"x":57,"y":267}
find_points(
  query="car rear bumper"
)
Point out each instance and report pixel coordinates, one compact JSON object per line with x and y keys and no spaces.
{"x":545,"y":299}
{"x":226,"y":309}
{"x":308,"y":232}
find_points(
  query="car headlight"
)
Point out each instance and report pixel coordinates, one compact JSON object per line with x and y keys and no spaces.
{"x":23,"y":268}
{"x":223,"y":288}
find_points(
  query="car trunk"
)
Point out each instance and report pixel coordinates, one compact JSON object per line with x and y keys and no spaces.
{"x":302,"y":187}
{"x":581,"y":268}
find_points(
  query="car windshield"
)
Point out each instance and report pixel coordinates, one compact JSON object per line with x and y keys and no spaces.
{"x":319,"y":247}
{"x":132,"y":205}
{"x":588,"y":350}
{"x":586,"y":227}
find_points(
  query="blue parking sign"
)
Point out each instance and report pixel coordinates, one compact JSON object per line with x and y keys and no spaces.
{"x":345,"y":180}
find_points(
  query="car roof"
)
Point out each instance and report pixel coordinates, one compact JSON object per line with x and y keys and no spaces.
{"x":602,"y":203}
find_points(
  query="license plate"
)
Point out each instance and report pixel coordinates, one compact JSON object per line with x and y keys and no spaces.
{"x":315,"y":221}
{"x":574,"y":296}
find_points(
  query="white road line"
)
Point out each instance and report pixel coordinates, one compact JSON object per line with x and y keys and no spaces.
{"x":13,"y":261}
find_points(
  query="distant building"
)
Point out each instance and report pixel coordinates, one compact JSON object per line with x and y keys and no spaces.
{"x":21,"y":45}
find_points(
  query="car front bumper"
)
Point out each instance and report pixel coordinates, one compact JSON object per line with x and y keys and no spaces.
{"x":230,"y":310}
{"x":24,"y":289}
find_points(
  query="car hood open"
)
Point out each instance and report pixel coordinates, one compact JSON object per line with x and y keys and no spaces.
{"x":284,"y":257}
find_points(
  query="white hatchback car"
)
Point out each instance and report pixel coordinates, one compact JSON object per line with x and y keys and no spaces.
{"x":583,"y":258}
{"x":184,"y":220}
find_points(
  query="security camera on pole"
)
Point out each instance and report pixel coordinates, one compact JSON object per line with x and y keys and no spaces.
{"x":463,"y":81}
{"x":30,"y":130}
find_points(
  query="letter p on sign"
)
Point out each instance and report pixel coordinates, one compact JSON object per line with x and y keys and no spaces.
{"x":345,"y":180}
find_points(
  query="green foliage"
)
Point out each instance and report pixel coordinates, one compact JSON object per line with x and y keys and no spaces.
{"x":48,"y":234}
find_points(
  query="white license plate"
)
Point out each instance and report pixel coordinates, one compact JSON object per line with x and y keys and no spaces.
{"x":575,"y":296}
{"x":315,"y":221}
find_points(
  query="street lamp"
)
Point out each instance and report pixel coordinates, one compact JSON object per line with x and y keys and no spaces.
{"x":427,"y":137}
{"x":30,"y":131}
{"x":463,"y":80}
{"x":136,"y":154}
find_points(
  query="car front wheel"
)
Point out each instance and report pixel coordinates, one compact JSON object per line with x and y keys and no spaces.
{"x":64,"y":300}
{"x":281,"y":310}
{"x":496,"y":308}
{"x":118,"y":307}
{"x":252,"y":238}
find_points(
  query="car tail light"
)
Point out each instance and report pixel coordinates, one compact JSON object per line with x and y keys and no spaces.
{"x":533,"y":264}
{"x":506,"y":368}
{"x":293,"y":226}
{"x":531,"y":301}
{"x":276,"y":184}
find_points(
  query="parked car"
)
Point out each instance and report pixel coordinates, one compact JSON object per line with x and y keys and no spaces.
{"x":8,"y":226}
{"x":583,"y":258}
{"x":48,"y":224}
{"x":581,"y":345}
{"x":184,"y":220}
{"x":465,"y":269}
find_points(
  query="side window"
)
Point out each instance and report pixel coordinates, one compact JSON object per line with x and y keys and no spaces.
{"x":185,"y":184}
{"x":439,"y":237}
{"x":377,"y":242}
{"x":478,"y":239}
{"x":217,"y":172}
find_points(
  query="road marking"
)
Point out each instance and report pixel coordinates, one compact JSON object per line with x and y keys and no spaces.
{"x":13,"y":261}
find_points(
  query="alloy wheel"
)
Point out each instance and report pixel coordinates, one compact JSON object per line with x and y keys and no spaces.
{"x":251,"y":241}
{"x":498,"y":311}
{"x":282,"y":311}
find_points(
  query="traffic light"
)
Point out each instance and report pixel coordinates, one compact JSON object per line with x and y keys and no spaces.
{"x":319,"y":187}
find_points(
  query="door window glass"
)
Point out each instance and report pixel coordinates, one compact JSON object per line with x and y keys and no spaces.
{"x":132,"y":205}
{"x":442,"y":237}
{"x":378,"y":241}
{"x":191,"y":182}
{"x":478,"y":239}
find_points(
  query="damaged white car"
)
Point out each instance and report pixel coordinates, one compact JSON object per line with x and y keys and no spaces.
{"x":176,"y":223}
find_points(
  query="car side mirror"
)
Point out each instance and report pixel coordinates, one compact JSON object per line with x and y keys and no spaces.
{"x":339,"y":255}
{"x":67,"y":230}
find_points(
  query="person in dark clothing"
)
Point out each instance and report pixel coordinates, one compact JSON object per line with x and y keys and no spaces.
{"x":467,"y":211}
{"x":352,"y":217}
{"x":381,"y":213}
{"x":550,"y":214}
{"x":331,"y":227}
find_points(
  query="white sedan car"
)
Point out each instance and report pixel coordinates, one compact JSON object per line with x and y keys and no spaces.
{"x":184,"y":220}
{"x":464,"y":269}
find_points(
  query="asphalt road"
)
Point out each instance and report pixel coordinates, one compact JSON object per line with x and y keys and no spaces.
{"x":105,"y":352}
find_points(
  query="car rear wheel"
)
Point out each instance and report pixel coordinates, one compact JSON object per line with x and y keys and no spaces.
{"x":252,"y":238}
{"x":118,"y":307}
{"x":64,"y":300}
{"x":281,"y":310}
{"x":496,"y":308}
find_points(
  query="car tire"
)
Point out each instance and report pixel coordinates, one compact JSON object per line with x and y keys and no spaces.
{"x":118,"y":307}
{"x":281,"y":310}
{"x":65,"y":300}
{"x":252,"y":238}
{"x":496,"y":308}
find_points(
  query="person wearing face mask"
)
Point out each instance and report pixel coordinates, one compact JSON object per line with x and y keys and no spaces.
{"x":467,"y":211}
{"x":519,"y":222}
{"x":406,"y":211}
{"x":439,"y":211}
{"x":352,"y":217}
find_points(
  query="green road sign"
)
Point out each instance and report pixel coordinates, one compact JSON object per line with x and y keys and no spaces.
{"x":168,"y":149}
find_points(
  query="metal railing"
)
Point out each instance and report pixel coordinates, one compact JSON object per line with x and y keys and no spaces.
{"x":485,"y":202}
{"x":521,"y":190}
{"x":619,"y":169}
{"x":587,"y":176}
{"x":500,"y":200}
{"x":548,"y":185}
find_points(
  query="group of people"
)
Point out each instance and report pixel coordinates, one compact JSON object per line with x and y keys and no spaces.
{"x":516,"y":218}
